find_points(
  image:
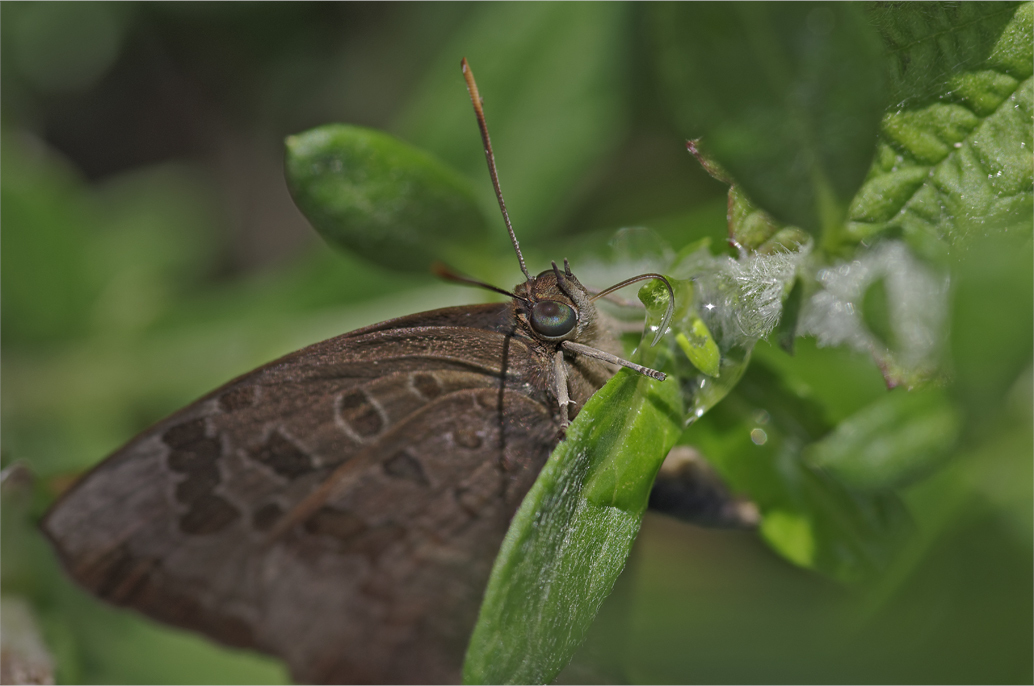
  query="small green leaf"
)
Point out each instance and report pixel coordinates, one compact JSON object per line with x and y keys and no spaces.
{"x":568,"y":542}
{"x":787,"y":96}
{"x":749,"y":225}
{"x":892,"y":443}
{"x":395,"y":205}
{"x":701,"y":350}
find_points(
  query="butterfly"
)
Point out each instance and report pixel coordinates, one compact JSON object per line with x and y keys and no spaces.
{"x":341,"y":507}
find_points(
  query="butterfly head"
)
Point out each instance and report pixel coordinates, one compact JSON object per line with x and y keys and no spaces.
{"x":554,"y":306}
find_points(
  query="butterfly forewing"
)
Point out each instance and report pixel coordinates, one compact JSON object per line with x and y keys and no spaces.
{"x":422,"y":440}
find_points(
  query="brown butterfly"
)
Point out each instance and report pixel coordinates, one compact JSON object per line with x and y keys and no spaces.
{"x":341,"y":507}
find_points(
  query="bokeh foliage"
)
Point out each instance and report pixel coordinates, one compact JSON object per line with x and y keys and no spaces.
{"x":144,"y":261}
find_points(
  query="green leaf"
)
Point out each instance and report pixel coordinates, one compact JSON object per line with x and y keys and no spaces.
{"x":755,"y":438}
{"x":892,"y":443}
{"x":568,"y":542}
{"x":929,"y":44}
{"x":840,"y":380}
{"x":395,"y":205}
{"x":749,"y":225}
{"x":702,"y":350}
{"x":954,"y":159}
{"x":787,"y":97}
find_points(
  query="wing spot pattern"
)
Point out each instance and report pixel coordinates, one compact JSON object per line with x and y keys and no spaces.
{"x":426,"y":386}
{"x":359,"y":414}
{"x":184,"y":436}
{"x":193,"y":454}
{"x":209,"y":514}
{"x":403,"y":465}
{"x":465,"y":438}
{"x":354,"y":535}
{"x":282,"y":456}
{"x":488,"y":399}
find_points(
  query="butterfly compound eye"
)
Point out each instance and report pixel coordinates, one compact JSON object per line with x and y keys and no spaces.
{"x":552,"y":319}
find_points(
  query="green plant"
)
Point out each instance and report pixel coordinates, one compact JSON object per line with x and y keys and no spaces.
{"x":880,"y":162}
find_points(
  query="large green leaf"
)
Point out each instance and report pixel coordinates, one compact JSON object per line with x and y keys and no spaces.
{"x":954,"y":159}
{"x":786,"y":96}
{"x":569,"y":540}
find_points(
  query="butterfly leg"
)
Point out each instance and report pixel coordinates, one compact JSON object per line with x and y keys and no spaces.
{"x":563,"y":398}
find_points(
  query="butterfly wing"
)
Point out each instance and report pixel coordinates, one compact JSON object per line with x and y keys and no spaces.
{"x":423,"y":439}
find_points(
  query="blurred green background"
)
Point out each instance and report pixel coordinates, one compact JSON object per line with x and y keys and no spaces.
{"x":150,"y":251}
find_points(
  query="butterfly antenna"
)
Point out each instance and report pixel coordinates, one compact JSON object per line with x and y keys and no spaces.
{"x":666,"y":319}
{"x":560,"y":278}
{"x":444,"y":271}
{"x":475,"y":98}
